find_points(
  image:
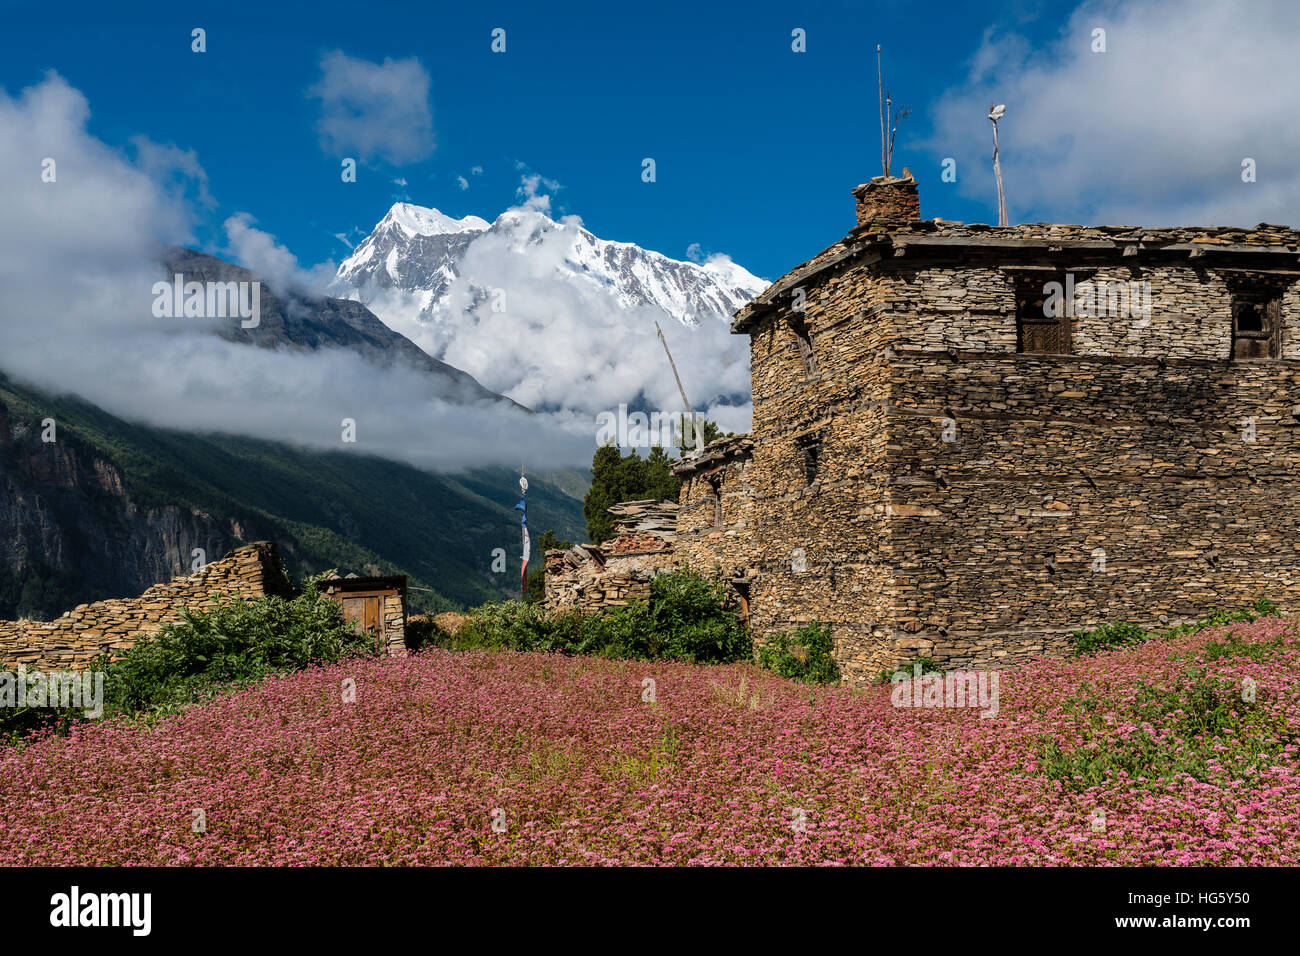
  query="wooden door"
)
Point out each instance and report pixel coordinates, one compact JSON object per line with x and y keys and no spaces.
{"x":364,"y":610}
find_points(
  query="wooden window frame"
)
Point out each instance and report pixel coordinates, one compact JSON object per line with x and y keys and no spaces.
{"x":1248,"y":344}
{"x":1029,"y":290}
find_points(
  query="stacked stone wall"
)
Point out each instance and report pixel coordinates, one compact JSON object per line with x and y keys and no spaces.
{"x":1079,"y":490}
{"x":73,"y":640}
{"x":1190,"y":317}
{"x":818,"y":545}
{"x":579,"y":580}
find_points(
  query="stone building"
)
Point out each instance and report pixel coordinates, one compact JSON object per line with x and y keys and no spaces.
{"x":969,"y":440}
{"x":590,"y":577}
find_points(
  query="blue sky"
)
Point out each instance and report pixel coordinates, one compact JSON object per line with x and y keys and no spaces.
{"x":756,"y":149}
{"x":756,"y":146}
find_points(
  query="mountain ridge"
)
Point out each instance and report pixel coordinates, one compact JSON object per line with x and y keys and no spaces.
{"x":111,"y":507}
{"x":398,"y":255}
{"x":551,"y":315}
{"x":293,"y":318}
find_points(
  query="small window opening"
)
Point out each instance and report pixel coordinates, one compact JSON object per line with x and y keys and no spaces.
{"x":799,"y":326}
{"x":1250,"y":317}
{"x":715,"y":483}
{"x":742,"y":598}
{"x":1256,"y":324}
{"x":1042,"y":320}
{"x":811,"y":446}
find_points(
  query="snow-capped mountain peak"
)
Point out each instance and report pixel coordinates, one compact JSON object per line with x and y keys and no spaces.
{"x":423,"y":221}
{"x":422,"y":251}
{"x":538,"y":309}
{"x":413,"y":248}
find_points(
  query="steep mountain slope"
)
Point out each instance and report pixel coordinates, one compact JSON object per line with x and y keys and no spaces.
{"x":293,"y":319}
{"x":111,"y":507}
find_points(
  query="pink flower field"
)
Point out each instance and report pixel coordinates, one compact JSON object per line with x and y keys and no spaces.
{"x":478,"y":758}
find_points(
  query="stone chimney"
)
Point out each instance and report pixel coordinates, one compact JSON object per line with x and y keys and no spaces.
{"x":888,"y":200}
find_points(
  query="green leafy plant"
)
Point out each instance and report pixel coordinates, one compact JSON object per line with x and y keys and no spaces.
{"x":17,"y":723}
{"x":206,"y":652}
{"x":238,"y":641}
{"x":1108,"y":636}
{"x":688,"y":617}
{"x":927,"y":665}
{"x":803,"y":655}
{"x":1219,"y":734}
{"x":1121,"y":633}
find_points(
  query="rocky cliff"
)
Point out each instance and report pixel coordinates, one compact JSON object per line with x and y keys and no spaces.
{"x":70,"y":532}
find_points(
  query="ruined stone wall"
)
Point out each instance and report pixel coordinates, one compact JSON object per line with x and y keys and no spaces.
{"x":394,"y":615}
{"x":586,"y":579}
{"x":85,"y":632}
{"x":591,"y":578}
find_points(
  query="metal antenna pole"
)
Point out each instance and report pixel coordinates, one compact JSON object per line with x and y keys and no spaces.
{"x":880,"y":89}
{"x":699,"y":433}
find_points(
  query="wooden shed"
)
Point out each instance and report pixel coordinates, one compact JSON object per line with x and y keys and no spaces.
{"x":377,"y":605}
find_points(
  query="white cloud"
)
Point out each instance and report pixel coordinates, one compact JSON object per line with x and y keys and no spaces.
{"x":78,"y":261}
{"x":731,"y":418}
{"x":462,"y":182}
{"x":375,"y":111}
{"x":175,"y":169}
{"x":1151,"y":132}
{"x":529,"y":191}
{"x":258,"y":252}
{"x":563,"y":344}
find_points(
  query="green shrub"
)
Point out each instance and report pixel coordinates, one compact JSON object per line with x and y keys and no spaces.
{"x":1108,"y":636}
{"x":1234,"y":646}
{"x":1122,"y":633}
{"x":1261,"y":608}
{"x":802,"y":655}
{"x":927,"y":665}
{"x":508,"y":625}
{"x":207,"y":651}
{"x":687,"y":618}
{"x":236,"y":642}
{"x":19,"y":722}
{"x":422,"y":632}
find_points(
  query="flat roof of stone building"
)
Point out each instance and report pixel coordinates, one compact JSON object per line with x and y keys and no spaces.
{"x":1264,"y":247}
{"x":716,"y":453}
